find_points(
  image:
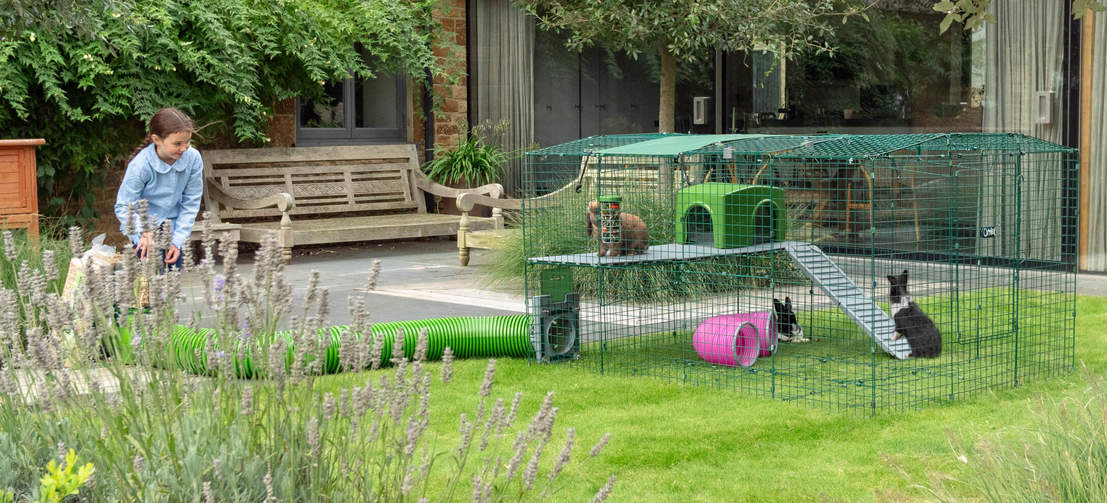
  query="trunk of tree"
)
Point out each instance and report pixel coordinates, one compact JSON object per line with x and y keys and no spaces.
{"x":666,"y":111}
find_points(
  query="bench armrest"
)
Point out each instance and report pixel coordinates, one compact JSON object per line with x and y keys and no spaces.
{"x":427,"y":185}
{"x":466,"y":202}
{"x":282,"y":200}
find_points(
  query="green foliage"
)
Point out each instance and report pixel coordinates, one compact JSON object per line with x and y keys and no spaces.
{"x":476,"y":159}
{"x":60,"y":481}
{"x":912,"y":58}
{"x":156,"y":433}
{"x":681,"y":30}
{"x":48,"y":264}
{"x":87,"y":76}
{"x":974,"y":13}
{"x":19,"y":253}
{"x":688,"y":28}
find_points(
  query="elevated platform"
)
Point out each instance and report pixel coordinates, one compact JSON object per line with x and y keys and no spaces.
{"x":816,"y":265}
{"x":657,"y":253}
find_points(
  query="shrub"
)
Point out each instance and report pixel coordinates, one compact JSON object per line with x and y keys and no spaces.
{"x":88,"y":75}
{"x":476,"y":159}
{"x":156,"y":433}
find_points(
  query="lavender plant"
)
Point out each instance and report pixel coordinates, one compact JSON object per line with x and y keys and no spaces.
{"x":121,"y":394}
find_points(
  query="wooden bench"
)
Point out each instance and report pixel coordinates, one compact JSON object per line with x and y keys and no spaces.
{"x":313,"y":195}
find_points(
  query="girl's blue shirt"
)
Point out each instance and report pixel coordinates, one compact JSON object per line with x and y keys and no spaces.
{"x":172,"y":192}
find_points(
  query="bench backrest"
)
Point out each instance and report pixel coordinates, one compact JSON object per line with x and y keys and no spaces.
{"x":323,"y":180}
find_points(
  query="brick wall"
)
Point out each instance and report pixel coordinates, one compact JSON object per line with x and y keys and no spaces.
{"x":282,"y":125}
{"x":452,"y":98}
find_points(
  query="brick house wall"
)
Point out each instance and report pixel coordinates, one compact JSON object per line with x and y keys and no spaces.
{"x":452,"y":98}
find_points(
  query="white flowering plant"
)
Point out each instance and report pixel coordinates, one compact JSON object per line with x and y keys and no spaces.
{"x":161,"y":417}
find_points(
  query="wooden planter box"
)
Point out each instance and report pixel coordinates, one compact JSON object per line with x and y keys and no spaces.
{"x":18,"y":185}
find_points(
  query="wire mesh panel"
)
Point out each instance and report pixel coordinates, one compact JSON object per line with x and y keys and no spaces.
{"x":856,"y":272}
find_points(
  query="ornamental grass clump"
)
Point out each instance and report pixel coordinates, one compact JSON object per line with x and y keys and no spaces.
{"x":239,"y":411}
{"x":1061,"y":457}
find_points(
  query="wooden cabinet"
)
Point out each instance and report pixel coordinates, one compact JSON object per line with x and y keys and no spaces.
{"x":18,"y":185}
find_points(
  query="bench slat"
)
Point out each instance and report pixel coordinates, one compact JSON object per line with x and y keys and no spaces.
{"x":399,"y":153}
{"x":275,"y":169}
{"x":338,"y":189}
{"x":398,"y":205}
{"x":329,"y":230}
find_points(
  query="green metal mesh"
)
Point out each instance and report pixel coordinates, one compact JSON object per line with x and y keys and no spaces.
{"x":706,"y":240}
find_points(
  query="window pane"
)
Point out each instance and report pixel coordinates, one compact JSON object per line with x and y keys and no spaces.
{"x":325,"y":113}
{"x":895,"y":73}
{"x":375,"y":102}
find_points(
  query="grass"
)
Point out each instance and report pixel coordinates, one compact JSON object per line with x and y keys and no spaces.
{"x":838,"y":370}
{"x":160,"y":440}
{"x":684,"y":443}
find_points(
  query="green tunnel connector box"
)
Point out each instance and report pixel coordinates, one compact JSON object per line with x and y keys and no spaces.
{"x":730,"y":215}
{"x":556,"y":282}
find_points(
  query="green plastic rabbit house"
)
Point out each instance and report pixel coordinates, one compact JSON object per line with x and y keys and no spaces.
{"x":731,"y":214}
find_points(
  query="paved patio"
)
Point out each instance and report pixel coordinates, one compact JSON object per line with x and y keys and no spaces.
{"x":422,"y":279}
{"x":419,"y":279}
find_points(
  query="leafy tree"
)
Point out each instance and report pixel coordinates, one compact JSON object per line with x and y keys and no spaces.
{"x":683,"y":29}
{"x":974,"y":13}
{"x":87,"y":74}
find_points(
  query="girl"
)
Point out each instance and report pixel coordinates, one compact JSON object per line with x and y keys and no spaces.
{"x":168,"y":173}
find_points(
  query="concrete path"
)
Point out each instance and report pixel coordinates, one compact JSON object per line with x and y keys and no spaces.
{"x":419,"y":279}
{"x":422,"y":279}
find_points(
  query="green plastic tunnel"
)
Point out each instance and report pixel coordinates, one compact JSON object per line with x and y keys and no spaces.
{"x":467,"y":337}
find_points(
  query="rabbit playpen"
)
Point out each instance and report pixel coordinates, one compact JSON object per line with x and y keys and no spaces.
{"x":983,"y":223}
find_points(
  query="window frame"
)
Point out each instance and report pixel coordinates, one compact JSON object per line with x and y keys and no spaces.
{"x":350,"y":134}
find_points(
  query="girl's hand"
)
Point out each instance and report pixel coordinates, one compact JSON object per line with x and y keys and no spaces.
{"x":144,"y":244}
{"x":172,"y":255}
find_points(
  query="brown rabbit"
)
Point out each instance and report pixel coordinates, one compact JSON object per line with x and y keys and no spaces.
{"x":635,"y":237}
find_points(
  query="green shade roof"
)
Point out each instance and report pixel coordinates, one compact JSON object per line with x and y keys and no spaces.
{"x":675,"y":145}
{"x":586,"y":146}
{"x":832,"y":146}
{"x":857,"y":146}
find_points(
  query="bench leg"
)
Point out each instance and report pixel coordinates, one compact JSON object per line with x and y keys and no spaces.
{"x":462,"y":244}
{"x":286,"y":254}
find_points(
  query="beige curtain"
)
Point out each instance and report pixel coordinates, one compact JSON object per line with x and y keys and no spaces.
{"x":1097,"y":201}
{"x":1023,"y":56}
{"x":503,"y":75}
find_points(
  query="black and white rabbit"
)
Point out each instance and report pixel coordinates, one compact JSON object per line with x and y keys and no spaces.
{"x":911,"y":322}
{"x":788,"y":328}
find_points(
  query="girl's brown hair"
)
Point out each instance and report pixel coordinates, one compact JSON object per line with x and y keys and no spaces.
{"x":165,"y":122}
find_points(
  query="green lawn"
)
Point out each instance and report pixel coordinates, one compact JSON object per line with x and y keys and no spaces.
{"x":685,"y":443}
{"x":838,"y":368}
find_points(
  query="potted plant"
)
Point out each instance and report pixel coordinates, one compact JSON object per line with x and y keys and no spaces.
{"x":473,"y":162}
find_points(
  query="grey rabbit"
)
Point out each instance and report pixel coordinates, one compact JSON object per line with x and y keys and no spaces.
{"x":911,"y":322}
{"x":635,"y":238}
